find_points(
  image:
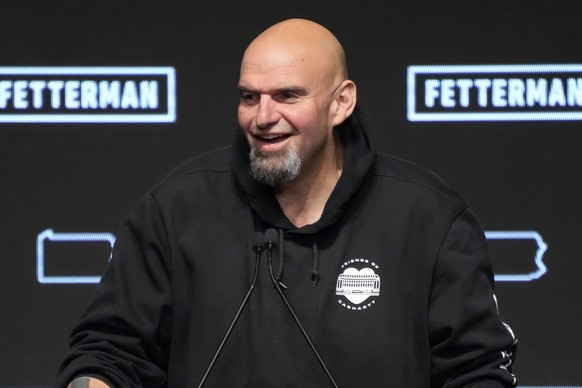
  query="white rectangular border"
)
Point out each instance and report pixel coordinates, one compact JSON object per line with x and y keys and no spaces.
{"x":169,"y":117}
{"x":412,"y":71}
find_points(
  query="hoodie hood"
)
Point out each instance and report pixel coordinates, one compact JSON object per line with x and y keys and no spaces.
{"x":356,"y":138}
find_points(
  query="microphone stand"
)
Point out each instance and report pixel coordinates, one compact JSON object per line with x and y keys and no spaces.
{"x":269,"y":242}
{"x":258,"y":248}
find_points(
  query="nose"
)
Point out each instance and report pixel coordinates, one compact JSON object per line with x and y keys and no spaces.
{"x":267,"y":114}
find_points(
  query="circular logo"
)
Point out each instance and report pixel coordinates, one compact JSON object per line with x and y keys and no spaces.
{"x":358,"y":284}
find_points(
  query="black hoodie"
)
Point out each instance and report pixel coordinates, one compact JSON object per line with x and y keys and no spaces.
{"x":393,"y":284}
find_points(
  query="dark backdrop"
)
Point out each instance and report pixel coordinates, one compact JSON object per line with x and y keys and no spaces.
{"x":519,"y":175}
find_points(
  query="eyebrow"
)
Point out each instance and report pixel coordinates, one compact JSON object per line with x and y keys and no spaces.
{"x":299,"y":90}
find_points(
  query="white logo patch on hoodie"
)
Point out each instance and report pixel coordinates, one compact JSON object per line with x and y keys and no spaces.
{"x":358,"y":284}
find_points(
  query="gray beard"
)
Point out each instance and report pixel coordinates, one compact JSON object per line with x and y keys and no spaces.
{"x":274,"y":168}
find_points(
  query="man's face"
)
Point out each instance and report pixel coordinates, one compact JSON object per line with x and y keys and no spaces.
{"x":285,"y":107}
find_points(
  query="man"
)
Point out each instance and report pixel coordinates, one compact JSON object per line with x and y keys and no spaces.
{"x":383,"y":276}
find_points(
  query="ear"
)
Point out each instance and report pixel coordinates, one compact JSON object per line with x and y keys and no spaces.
{"x":344,"y":102}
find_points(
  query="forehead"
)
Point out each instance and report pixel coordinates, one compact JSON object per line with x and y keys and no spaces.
{"x":275,"y":67}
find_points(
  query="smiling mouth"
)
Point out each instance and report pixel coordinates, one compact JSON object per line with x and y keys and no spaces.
{"x":271,"y":139}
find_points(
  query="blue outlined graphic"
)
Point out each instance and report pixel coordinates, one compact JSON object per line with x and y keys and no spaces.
{"x":512,"y":92}
{"x":542,"y":247}
{"x":49,"y":235}
{"x":81,"y":94}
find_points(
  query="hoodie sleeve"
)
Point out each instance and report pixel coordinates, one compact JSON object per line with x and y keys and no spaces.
{"x":470,"y":345}
{"x":123,"y":336}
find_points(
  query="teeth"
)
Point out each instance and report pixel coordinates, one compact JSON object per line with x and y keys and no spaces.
{"x":272,"y":138}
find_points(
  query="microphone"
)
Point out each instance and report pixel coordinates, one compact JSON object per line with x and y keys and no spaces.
{"x":270,"y":238}
{"x":258,"y":248}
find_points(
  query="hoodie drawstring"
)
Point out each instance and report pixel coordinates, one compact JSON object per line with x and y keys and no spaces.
{"x":315,"y":271}
{"x":281,"y":259}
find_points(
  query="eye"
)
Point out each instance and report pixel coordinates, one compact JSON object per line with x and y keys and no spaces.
{"x":249,"y":98}
{"x":286,"y":96}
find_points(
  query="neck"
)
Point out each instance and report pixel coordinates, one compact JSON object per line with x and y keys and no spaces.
{"x":304,"y":198}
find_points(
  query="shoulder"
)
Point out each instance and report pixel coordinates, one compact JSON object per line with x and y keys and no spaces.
{"x":218,"y":160}
{"x":210,"y":166}
{"x":412,"y":177}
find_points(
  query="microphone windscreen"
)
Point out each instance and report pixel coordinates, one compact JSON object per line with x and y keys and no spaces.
{"x":258,"y":239}
{"x":271,"y":236}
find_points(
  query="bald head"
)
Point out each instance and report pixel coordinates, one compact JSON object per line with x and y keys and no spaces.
{"x":301,"y":42}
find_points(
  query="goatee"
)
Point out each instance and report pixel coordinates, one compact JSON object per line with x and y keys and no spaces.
{"x":273,"y":168}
